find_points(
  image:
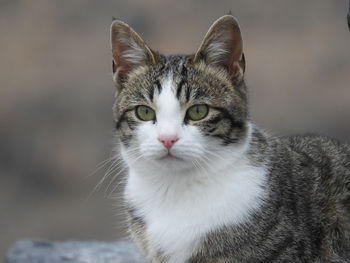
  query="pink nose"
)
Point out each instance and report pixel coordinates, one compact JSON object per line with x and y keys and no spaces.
{"x":168,"y":141}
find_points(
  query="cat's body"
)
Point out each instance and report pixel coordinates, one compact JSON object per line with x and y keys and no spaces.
{"x":205,"y":184}
{"x":306,"y":214}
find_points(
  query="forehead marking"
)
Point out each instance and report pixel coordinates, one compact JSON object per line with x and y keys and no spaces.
{"x":159,"y":86}
{"x":168,"y":106}
{"x":179,"y":88}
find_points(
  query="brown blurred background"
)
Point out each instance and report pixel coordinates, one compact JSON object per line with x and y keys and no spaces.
{"x":56,"y":94}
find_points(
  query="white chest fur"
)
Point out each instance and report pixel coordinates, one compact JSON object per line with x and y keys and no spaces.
{"x":179,"y":210}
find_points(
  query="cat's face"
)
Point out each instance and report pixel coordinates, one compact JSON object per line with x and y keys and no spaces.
{"x":179,"y":112}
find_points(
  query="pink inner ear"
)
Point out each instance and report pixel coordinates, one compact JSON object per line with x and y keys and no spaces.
{"x":223,"y":46}
{"x":230,"y":36}
{"x":120,"y":38}
{"x":128,"y":49}
{"x":236,"y":55}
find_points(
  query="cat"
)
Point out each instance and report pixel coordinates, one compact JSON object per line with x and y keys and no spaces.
{"x":204,"y":183}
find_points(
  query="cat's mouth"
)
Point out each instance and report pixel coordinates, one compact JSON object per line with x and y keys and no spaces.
{"x":170,"y":156}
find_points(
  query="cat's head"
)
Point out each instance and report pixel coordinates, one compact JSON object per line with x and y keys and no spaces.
{"x":180,"y":111}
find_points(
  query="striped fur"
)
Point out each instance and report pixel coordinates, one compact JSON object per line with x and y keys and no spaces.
{"x":227,"y":192}
{"x":194,"y":84}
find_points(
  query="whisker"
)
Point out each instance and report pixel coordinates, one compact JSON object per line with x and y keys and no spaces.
{"x":214,"y":154}
{"x":115,"y":176}
{"x":114,"y":164}
{"x":101,"y":165}
{"x":116,"y":187}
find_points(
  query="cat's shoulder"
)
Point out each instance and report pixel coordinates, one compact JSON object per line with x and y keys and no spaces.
{"x":312,"y":141}
{"x":317,"y":148}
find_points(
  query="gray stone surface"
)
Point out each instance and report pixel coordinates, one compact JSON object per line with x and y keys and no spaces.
{"x":42,"y":251}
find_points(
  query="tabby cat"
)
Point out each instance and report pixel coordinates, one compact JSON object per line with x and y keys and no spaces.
{"x":204,"y":183}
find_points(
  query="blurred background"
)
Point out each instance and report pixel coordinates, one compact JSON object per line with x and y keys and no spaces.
{"x":56,"y":94}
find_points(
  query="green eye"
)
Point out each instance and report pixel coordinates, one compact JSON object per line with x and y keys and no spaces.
{"x":197,"y":112}
{"x":145,"y":113}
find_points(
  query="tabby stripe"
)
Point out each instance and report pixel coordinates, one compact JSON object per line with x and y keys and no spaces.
{"x":198,"y":93}
{"x":179,"y":88}
{"x":151,"y":93}
{"x":125,"y":139}
{"x":182,"y":82}
{"x":131,"y":124}
{"x":184,"y":71}
{"x":226,"y":139}
{"x":278,"y":251}
{"x":211,"y":131}
{"x":241,"y":89}
{"x":159,"y":86}
{"x":269,"y":231}
{"x":301,"y":249}
{"x":214,"y":120}
{"x":132,"y":213}
{"x":121,"y":119}
{"x":140,"y":94}
{"x":227,"y":115}
{"x":188,"y":93}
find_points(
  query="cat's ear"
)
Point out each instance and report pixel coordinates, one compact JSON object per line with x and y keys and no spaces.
{"x":129,"y":50}
{"x":223,"y":46}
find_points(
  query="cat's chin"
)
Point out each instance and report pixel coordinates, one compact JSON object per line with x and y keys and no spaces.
{"x":171,"y":161}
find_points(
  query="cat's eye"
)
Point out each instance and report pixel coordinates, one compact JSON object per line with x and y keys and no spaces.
{"x":197,"y":112}
{"x":145,"y":113}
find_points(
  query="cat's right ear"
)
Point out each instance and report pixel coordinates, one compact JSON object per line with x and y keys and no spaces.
{"x":129,"y":51}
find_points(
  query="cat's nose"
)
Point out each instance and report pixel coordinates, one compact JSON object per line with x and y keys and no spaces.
{"x":168,"y":141}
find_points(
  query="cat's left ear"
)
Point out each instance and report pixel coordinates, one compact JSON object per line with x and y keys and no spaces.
{"x":223,"y":46}
{"x":129,"y":51}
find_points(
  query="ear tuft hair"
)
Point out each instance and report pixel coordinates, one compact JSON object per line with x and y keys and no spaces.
{"x":223,"y":46}
{"x":128,"y":49}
